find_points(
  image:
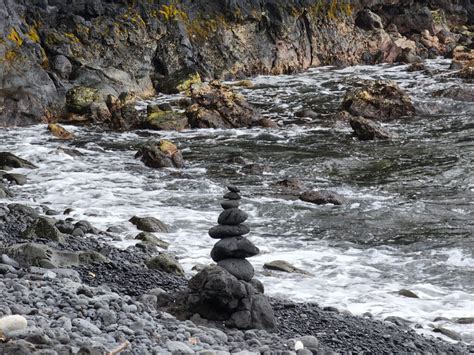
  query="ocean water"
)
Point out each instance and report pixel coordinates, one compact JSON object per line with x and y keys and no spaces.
{"x":408,"y":223}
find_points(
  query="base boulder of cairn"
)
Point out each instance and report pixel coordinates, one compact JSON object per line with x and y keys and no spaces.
{"x":227,"y":291}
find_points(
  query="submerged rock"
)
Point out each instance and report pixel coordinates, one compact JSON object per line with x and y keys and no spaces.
{"x":380,"y":100}
{"x":322,"y":197}
{"x":163,"y":154}
{"x":366,"y":129}
{"x":281,"y":265}
{"x":152,"y":239}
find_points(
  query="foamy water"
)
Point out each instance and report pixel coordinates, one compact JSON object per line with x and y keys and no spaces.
{"x":408,"y":223}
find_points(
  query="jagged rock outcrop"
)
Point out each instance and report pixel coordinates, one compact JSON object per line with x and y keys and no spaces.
{"x":51,"y":46}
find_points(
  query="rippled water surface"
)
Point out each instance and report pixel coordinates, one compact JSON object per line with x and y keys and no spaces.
{"x":409,"y":222}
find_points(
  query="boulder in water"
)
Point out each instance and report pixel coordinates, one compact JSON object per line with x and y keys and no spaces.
{"x":281,"y":265}
{"x":9,"y":160}
{"x":381,"y":100}
{"x":163,"y":154}
{"x":60,"y":132}
{"x":366,"y":129}
{"x":149,"y":224}
{"x":322,"y":197}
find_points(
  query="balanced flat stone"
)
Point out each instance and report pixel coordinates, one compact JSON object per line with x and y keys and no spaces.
{"x":240,"y":268}
{"x":232,"y":196}
{"x":233,"y":188}
{"x":229,"y":204}
{"x":219,"y":232}
{"x":236,"y":247}
{"x":232,"y":217}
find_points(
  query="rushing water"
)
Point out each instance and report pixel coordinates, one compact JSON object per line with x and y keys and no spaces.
{"x":409,"y":222}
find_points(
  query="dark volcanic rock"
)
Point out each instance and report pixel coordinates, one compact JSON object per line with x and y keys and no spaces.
{"x":233,"y":188}
{"x":281,"y":265}
{"x":322,"y":197}
{"x":226,"y":231}
{"x":240,"y":268}
{"x":232,"y":217}
{"x":456,"y":92}
{"x":235,"y":247}
{"x":381,"y":100}
{"x":232,"y":196}
{"x":229,"y":204}
{"x":17,"y":179}
{"x":165,"y":263}
{"x":368,"y":20}
{"x":9,"y":160}
{"x":366,"y":129}
{"x":43,"y":228}
{"x":149,"y":224}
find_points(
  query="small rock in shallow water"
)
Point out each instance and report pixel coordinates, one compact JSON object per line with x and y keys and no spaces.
{"x":149,"y":224}
{"x":281,"y":265}
{"x":407,"y":293}
{"x":150,"y":238}
{"x":9,"y":160}
{"x":366,"y":129}
{"x":449,"y":333}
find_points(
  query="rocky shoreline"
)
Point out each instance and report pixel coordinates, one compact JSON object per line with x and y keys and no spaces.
{"x":81,"y":295}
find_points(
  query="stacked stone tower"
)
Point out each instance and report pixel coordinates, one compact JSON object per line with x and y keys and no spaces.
{"x":227,"y":291}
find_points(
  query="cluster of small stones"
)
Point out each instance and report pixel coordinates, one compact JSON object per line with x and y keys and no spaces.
{"x":232,"y":250}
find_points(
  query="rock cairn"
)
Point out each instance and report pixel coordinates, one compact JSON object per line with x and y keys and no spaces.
{"x":227,"y":291}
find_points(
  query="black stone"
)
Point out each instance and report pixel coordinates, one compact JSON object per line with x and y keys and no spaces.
{"x":232,"y":196}
{"x":240,"y":268}
{"x":233,"y":188}
{"x":229,"y":204}
{"x":219,"y":232}
{"x":236,"y":247}
{"x":232,"y":217}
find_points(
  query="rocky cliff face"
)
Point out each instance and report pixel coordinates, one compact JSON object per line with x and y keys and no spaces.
{"x":48,"y":47}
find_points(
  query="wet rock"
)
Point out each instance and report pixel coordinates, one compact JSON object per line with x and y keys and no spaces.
{"x":465,"y":320}
{"x":17,"y":179}
{"x":180,"y":80}
{"x":149,"y":224}
{"x":232,"y":217}
{"x":456,"y":92}
{"x":449,"y":333}
{"x":368,"y":20}
{"x":163,"y":154}
{"x":407,"y":293}
{"x":380,"y":100}
{"x":152,"y":239}
{"x":9,"y":160}
{"x":80,"y":98}
{"x":416,"y":67}
{"x":165,"y":263}
{"x":165,"y":120}
{"x":218,"y":106}
{"x":230,"y":204}
{"x":467,"y":72}
{"x":292,"y":186}
{"x":281,"y":265}
{"x":322,"y":197}
{"x":234,"y":247}
{"x":240,"y":268}
{"x":226,"y":231}
{"x":255,"y":169}
{"x":366,"y":129}
{"x":60,"y":132}
{"x":123,"y":114}
{"x":43,"y":228}
{"x":307,"y":113}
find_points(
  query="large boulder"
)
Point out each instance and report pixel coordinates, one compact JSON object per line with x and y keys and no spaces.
{"x":80,"y":98}
{"x":166,"y":120}
{"x":218,"y":106}
{"x":162,"y":154}
{"x":9,"y":160}
{"x":381,"y":100}
{"x":322,"y":197}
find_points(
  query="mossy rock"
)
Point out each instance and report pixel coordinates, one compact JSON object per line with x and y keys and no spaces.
{"x":80,"y":98}
{"x":166,"y":121}
{"x":60,"y":132}
{"x":177,"y":82}
{"x":165,"y":263}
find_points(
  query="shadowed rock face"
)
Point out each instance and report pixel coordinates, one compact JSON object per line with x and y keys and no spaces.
{"x":48,"y":47}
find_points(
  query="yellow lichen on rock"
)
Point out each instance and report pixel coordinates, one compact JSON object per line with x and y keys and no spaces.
{"x":14,"y":36}
{"x":33,"y":35}
{"x":186,"y":84}
{"x":167,"y":147}
{"x":60,"y":132}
